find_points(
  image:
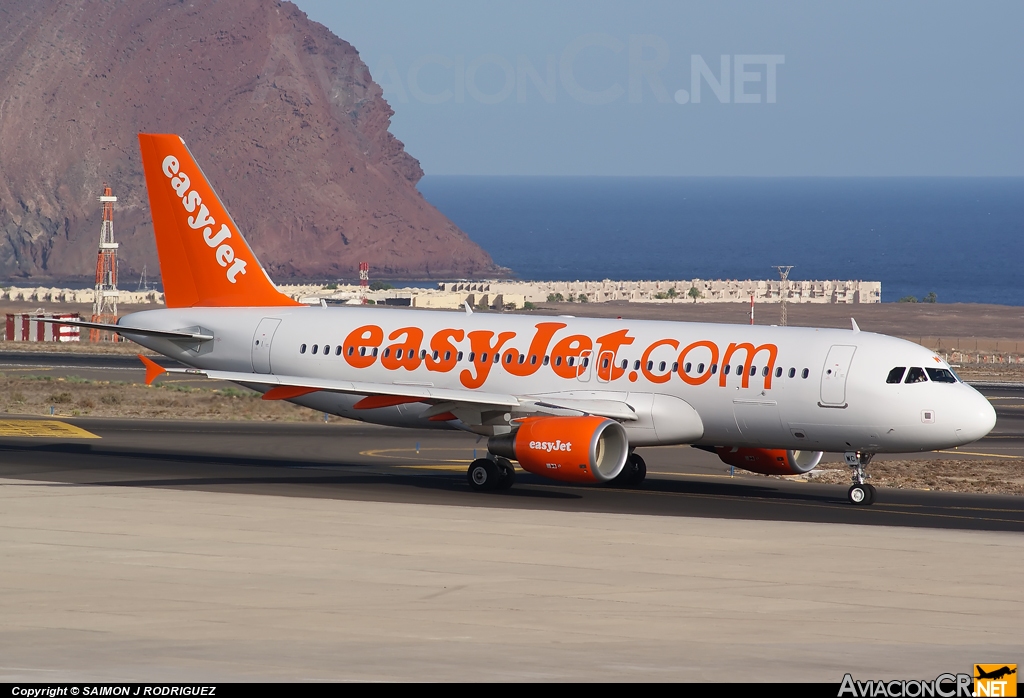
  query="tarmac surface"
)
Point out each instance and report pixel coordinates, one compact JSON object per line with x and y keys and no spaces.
{"x":159,"y":551}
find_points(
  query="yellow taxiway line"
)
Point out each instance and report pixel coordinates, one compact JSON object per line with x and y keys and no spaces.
{"x":43,"y":429}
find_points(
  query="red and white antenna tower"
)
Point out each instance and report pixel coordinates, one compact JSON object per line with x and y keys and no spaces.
{"x":364,"y":278}
{"x":104,"y":306}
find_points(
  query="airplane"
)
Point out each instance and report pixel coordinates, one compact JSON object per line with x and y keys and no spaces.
{"x":996,"y":674}
{"x":569,"y":398}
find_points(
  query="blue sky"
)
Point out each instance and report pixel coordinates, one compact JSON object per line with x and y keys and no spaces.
{"x":609,"y":88}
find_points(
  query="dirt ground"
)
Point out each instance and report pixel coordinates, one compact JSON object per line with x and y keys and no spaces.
{"x":1004,"y":476}
{"x":76,"y":397}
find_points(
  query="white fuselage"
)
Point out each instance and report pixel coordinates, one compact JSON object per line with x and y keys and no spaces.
{"x":802,"y":388}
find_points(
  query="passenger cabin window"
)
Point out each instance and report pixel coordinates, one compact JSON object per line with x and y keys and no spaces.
{"x":625,"y":364}
{"x":916,"y":375}
{"x":778,"y":372}
{"x":941,"y":375}
{"x":896,"y":375}
{"x":547,"y":359}
{"x":700,"y":368}
{"x":805,"y":373}
{"x":313,"y":350}
{"x":458,"y":357}
{"x":302,"y":349}
{"x":727,"y":369}
{"x":714,"y":369}
{"x":687,"y":366}
{"x":792,"y":373}
{"x":497,"y":358}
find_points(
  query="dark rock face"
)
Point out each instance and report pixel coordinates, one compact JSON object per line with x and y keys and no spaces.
{"x":281,"y":114}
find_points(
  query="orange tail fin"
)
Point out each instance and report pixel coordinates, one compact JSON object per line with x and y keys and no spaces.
{"x":204,"y":261}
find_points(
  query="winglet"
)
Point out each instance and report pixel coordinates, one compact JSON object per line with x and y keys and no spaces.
{"x":469,"y":311}
{"x":153,"y":369}
{"x":856,"y":327}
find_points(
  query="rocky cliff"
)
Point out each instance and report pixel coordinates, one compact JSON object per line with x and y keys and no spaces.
{"x":281,"y":114}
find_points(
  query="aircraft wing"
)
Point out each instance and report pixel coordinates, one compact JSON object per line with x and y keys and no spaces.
{"x":470,"y":406}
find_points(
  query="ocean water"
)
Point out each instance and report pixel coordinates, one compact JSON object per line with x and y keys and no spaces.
{"x":961,"y":238}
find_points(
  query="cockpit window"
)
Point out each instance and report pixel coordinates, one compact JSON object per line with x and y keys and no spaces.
{"x":896,"y":375}
{"x":916,"y":375}
{"x":941,"y":375}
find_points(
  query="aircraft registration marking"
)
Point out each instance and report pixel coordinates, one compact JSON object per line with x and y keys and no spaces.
{"x":43,"y":429}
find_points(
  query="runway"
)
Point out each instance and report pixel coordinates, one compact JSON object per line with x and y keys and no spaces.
{"x":151,"y":550}
{"x":370,"y":463}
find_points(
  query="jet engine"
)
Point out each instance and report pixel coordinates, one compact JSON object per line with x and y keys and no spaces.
{"x":770,"y":461}
{"x":571,"y":449}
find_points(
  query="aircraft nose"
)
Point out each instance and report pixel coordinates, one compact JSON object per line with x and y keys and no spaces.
{"x":976,"y":417}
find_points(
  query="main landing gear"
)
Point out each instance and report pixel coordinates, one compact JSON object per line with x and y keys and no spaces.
{"x":633,"y":472}
{"x":860,"y":492}
{"x":486,"y":475}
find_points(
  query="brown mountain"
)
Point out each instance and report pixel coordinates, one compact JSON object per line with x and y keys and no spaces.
{"x":281,"y":114}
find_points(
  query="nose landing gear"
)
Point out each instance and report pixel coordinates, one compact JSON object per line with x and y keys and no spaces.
{"x":860,"y":492}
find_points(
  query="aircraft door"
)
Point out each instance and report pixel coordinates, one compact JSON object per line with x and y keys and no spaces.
{"x":261,"y":342}
{"x":834,"y":374}
{"x":583,"y":368}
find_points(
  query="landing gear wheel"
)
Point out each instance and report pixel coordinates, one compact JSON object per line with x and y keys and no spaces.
{"x":633,"y":472}
{"x":639,"y":473}
{"x":508,"y":473}
{"x":861,"y":494}
{"x":483,"y":475}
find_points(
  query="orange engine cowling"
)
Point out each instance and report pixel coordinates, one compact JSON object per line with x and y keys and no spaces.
{"x":770,"y":461}
{"x":570,"y":449}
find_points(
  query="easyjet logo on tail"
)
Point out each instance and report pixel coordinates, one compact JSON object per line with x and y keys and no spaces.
{"x":224,"y":253}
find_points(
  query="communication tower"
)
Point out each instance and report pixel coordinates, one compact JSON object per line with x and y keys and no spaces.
{"x":104,"y":307}
{"x":783,"y":291}
{"x":364,"y":278}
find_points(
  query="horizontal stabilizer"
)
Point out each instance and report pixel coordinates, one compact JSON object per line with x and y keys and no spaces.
{"x":128,"y":331}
